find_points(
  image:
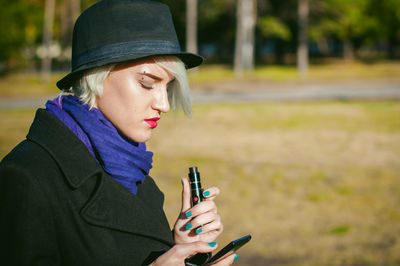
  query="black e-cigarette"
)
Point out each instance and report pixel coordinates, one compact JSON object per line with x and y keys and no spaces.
{"x":197,"y":190}
{"x":197,"y":197}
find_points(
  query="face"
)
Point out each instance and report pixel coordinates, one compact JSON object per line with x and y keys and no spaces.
{"x":134,"y":97}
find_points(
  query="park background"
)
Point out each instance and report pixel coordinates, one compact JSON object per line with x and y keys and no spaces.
{"x":296,"y":118}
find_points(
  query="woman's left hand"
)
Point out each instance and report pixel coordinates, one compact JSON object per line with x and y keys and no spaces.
{"x":200,"y":222}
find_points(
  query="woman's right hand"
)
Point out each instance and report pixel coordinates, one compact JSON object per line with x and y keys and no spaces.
{"x":177,"y":254}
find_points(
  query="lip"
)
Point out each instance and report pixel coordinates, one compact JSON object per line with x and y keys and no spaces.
{"x":152,"y":121}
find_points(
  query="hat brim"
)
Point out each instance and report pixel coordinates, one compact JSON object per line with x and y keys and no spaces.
{"x":189,"y":59}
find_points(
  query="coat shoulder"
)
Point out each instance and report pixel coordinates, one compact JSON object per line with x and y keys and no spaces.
{"x":28,"y":160}
{"x":25,"y":208}
{"x":27,"y":155}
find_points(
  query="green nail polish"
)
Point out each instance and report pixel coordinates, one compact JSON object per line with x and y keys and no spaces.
{"x":181,"y":181}
{"x":199,"y":230}
{"x":212,"y":244}
{"x":206,"y":193}
{"x":236,"y":257}
{"x":188,"y":214}
{"x":188,"y":226}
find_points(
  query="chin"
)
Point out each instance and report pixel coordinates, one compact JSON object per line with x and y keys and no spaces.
{"x":139,"y":138}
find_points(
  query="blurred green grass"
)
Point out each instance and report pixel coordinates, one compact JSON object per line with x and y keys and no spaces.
{"x":334,"y":71}
{"x":14,"y":126}
{"x":316,"y":183}
{"x":27,"y":85}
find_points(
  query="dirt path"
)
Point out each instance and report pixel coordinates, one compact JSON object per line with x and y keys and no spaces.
{"x":352,"y":90}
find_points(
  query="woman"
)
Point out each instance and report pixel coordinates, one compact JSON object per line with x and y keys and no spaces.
{"x":77,"y":190}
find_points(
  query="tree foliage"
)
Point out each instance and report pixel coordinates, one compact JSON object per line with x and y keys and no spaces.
{"x":359,"y":23}
{"x":345,"y":19}
{"x":272,"y":27}
{"x":20,"y":27}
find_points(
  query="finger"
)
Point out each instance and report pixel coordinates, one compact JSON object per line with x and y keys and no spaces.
{"x":202,"y":207}
{"x":186,"y":194}
{"x":226,"y":260}
{"x":204,"y":219}
{"x":211,"y":193}
{"x":189,"y":249}
{"x":215,"y":226}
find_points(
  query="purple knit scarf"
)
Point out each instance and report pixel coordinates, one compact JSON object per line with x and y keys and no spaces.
{"x":126,"y":161}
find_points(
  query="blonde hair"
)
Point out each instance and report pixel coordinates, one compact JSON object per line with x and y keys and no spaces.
{"x":90,"y":84}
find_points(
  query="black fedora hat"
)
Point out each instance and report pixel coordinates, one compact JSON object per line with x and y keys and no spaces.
{"x":113,"y":31}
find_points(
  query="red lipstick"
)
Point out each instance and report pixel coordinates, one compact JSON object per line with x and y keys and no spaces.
{"x":152,"y":121}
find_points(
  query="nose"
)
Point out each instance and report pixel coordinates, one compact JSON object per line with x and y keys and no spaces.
{"x":161,"y":103}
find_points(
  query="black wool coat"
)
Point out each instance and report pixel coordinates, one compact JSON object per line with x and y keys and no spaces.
{"x":58,"y":206}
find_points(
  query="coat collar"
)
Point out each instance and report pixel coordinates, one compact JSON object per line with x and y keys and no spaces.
{"x":70,"y":153}
{"x":110,"y":205}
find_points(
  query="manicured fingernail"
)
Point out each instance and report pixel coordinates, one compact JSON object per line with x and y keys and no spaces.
{"x":188,"y":226}
{"x":206,"y":193}
{"x":212,"y":244}
{"x":188,"y":214}
{"x":199,"y":230}
{"x":182,"y":181}
{"x":236,"y":257}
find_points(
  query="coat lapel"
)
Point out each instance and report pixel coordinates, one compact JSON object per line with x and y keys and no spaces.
{"x":113,"y":206}
{"x":110,"y":205}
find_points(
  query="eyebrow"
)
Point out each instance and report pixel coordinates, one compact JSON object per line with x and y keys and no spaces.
{"x":155,"y":77}
{"x":150,"y":75}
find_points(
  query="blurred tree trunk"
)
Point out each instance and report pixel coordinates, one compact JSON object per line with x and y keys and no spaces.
{"x":65,"y":23}
{"x":75,"y":9}
{"x":47,"y":37}
{"x":302,"y":49}
{"x":244,"y":47}
{"x":191,"y":26}
{"x":70,"y":10}
{"x":348,"y":50}
{"x":323,"y":46}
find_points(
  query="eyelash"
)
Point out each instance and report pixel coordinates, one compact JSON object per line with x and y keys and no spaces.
{"x":146,"y":87}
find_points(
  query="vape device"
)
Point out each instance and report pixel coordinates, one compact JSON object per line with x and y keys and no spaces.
{"x":195,"y":184}
{"x":197,"y":197}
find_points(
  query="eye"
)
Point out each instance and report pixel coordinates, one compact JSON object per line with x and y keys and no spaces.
{"x":146,"y":86}
{"x":146,"y":82}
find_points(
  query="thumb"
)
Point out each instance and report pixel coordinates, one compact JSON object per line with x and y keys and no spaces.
{"x":178,"y":253}
{"x":186,"y":195}
{"x":189,"y":249}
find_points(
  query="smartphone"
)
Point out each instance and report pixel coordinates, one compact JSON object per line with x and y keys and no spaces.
{"x":206,"y":258}
{"x":232,"y":246}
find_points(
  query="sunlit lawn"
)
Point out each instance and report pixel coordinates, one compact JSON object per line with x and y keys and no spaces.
{"x":338,"y":71}
{"x":314,"y":183}
{"x":25,"y":85}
